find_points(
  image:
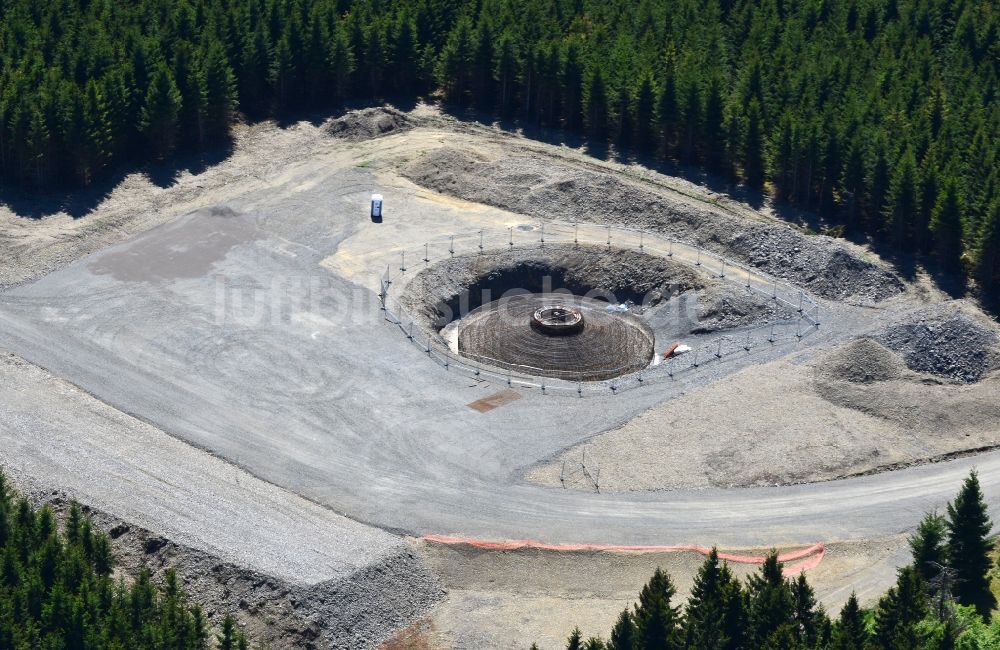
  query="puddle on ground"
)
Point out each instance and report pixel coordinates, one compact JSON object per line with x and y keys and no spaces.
{"x":187,"y":248}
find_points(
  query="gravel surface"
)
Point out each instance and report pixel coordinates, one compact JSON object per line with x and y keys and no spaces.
{"x":507,"y":600}
{"x":547,"y":189}
{"x":240,"y":543}
{"x":853,"y":410}
{"x":945,"y":342}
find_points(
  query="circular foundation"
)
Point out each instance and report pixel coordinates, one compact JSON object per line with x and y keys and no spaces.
{"x":557,"y":320}
{"x":564,"y":337}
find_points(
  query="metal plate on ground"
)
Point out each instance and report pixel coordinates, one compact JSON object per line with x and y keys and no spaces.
{"x":495,"y":400}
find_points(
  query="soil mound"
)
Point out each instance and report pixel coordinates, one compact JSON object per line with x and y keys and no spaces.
{"x":945,"y":343}
{"x":545,"y":189}
{"x":723,"y":306}
{"x":369,"y":123}
{"x":861,"y":362}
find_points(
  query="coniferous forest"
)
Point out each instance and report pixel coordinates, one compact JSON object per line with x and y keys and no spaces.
{"x":57,"y":591}
{"x":942,"y":600}
{"x":883,"y":115}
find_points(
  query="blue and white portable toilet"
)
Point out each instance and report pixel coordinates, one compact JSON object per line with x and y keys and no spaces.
{"x":376,"y":206}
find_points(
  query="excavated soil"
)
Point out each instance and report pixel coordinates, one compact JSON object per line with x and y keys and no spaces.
{"x":549,"y":189}
{"x":369,"y":123}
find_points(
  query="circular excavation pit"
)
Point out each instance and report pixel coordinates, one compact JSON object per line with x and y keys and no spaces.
{"x":559,"y":336}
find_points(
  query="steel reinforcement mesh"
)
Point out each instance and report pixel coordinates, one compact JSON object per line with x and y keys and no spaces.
{"x":609,"y":344}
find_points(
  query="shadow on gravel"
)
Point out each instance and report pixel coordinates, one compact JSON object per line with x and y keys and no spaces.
{"x":38,"y":203}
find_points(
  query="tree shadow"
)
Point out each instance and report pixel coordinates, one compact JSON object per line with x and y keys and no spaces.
{"x":79,"y":202}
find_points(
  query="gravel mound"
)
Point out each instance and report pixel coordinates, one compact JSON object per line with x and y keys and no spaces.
{"x":724,"y":306}
{"x":945,"y":343}
{"x":369,"y":123}
{"x":862,"y":362}
{"x":545,"y":189}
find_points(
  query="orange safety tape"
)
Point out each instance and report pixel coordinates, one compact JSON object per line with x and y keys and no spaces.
{"x":811,"y":556}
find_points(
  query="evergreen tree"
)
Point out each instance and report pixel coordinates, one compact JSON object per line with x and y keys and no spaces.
{"x":572,"y":83}
{"x":899,"y":612}
{"x":574,"y":642}
{"x":455,"y":64}
{"x":988,"y":257}
{"x":624,"y":635}
{"x":656,"y":619}
{"x":714,"y":618}
{"x":596,"y":101}
{"x":947,"y":227}
{"x":901,"y":203}
{"x":644,"y":119}
{"x":771,"y":605}
{"x":969,"y":547}
{"x":668,"y":112}
{"x":219,"y":94}
{"x":505,"y":73}
{"x":160,"y":112}
{"x":753,"y":147}
{"x":850,"y":632}
{"x":809,"y":621}
{"x":927,"y":546}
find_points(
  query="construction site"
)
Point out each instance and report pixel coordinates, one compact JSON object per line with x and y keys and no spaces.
{"x":395,"y":373}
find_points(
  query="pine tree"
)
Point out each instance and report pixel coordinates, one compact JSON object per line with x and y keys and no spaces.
{"x":160,"y":112}
{"x":219,"y":94}
{"x":927,"y":546}
{"x":255,"y":66}
{"x":753,"y":147}
{"x":947,"y":227}
{"x":691,"y":119}
{"x":574,"y":642}
{"x":644,"y":105}
{"x":505,"y":73}
{"x":770,"y":602}
{"x":850,"y":632}
{"x":596,"y":102}
{"x":714,"y":129}
{"x":656,"y":619}
{"x":623,"y":115}
{"x":594,"y":643}
{"x":454,"y":71}
{"x":809,"y":620}
{"x":714,"y":618}
{"x":988,"y":255}
{"x":969,"y":547}
{"x":899,"y":611}
{"x":624,"y":635}
{"x":901,"y":203}
{"x":572,"y":84}
{"x":667,"y":112}
{"x":228,"y":636}
{"x":341,"y":61}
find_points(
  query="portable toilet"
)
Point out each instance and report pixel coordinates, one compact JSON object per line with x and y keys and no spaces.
{"x":376,"y":206}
